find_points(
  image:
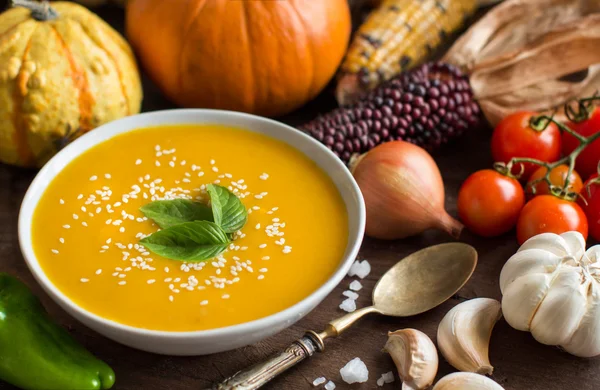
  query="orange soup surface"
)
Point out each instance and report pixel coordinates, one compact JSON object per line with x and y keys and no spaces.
{"x":87,"y":227}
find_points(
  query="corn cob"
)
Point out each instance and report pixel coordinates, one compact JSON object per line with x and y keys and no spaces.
{"x":396,"y":36}
{"x":427,"y":106}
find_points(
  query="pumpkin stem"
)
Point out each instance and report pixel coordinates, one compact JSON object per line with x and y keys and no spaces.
{"x":39,"y":11}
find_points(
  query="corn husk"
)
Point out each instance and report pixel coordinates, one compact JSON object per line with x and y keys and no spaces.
{"x":520,"y":54}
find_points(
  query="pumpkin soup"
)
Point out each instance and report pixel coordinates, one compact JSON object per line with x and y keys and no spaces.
{"x":88,"y":227}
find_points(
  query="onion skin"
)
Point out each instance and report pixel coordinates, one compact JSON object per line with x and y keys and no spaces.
{"x":403,"y":191}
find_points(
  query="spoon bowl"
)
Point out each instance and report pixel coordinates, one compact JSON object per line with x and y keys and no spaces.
{"x":424,"y":279}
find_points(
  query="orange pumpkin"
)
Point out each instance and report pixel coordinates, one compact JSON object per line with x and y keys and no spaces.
{"x":263,"y":57}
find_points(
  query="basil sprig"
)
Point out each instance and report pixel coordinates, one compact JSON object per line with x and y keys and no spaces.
{"x":192,"y":231}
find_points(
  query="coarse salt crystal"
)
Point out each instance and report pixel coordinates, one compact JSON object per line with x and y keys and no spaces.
{"x":360,"y":269}
{"x":348,"y":305}
{"x":388,"y":377}
{"x":355,"y":286}
{"x":329,"y":385}
{"x":355,"y":371}
{"x":319,"y":381}
{"x":350,"y":294}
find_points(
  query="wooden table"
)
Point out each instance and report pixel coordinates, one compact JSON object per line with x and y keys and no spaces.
{"x":520,"y":362}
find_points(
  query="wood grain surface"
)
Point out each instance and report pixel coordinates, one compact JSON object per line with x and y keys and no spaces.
{"x":520,"y":362}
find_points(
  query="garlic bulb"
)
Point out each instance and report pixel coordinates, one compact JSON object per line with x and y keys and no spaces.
{"x":551,"y":288}
{"x":415,"y":356}
{"x":464,"y":334}
{"x":466,"y":381}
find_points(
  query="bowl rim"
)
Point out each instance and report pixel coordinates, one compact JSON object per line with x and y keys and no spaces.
{"x":29,"y":202}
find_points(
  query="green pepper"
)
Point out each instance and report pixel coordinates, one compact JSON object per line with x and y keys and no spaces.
{"x":36,"y":353}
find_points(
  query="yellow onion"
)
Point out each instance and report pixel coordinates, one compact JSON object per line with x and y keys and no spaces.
{"x":403,"y":191}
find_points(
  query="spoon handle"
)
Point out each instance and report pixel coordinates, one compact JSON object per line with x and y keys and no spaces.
{"x":258,"y":375}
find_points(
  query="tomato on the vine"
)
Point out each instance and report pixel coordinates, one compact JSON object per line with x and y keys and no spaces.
{"x":587,"y":161}
{"x":513,"y":137}
{"x":489,"y":203}
{"x":558,"y":176}
{"x":591,"y":205}
{"x":550,"y":214}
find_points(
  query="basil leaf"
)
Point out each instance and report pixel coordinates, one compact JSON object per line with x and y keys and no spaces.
{"x":228,"y":210}
{"x":167,"y":213}
{"x":188,"y":241}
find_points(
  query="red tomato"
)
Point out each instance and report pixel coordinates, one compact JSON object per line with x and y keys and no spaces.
{"x":489,"y":203}
{"x":558,"y":176}
{"x":549,"y":214}
{"x":514,"y":138}
{"x":592,"y":207}
{"x":587,"y":161}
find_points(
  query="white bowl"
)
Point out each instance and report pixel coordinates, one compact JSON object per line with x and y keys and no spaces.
{"x":205,"y":341}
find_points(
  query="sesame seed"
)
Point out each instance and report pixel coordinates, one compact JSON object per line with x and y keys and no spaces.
{"x":171,"y":298}
{"x":166,"y":269}
{"x":204,"y":303}
{"x":62,"y":240}
{"x":54,"y":251}
{"x":263,"y":270}
{"x":122,"y":229}
{"x":107,"y":175}
{"x":61,"y":201}
{"x":84,"y":223}
{"x":80,"y":196}
{"x":266,"y":258}
{"x":215,"y":169}
{"x":98,"y":271}
{"x":157,"y":163}
{"x":225,"y":296}
{"x":264,"y":176}
{"x":94,"y":178}
{"x":84,"y":280}
{"x":171,"y":164}
{"x":261,"y":246}
{"x":212,"y":162}
{"x":122,"y":283}
{"x":75,"y":216}
{"x":150,"y":281}
{"x":261,"y":277}
{"x":200,"y":174}
{"x":257,"y":226}
{"x":138,"y":161}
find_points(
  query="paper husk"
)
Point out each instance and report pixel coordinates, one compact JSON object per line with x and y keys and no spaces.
{"x":519,"y":56}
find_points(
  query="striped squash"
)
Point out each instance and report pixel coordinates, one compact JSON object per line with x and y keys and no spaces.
{"x":63,"y":72}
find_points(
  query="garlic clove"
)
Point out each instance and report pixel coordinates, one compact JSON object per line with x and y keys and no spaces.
{"x":464,"y":334}
{"x":466,"y":381}
{"x":530,"y":261}
{"x":586,"y":339}
{"x":560,"y":312}
{"x":415,"y":357}
{"x":522,"y":298}
{"x":566,"y":244}
{"x":575,"y":243}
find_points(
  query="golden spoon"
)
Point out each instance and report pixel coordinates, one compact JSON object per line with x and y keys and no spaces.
{"x":416,"y":284}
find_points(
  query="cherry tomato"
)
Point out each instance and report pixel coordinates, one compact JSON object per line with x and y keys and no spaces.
{"x":489,"y":203}
{"x":591,"y":206}
{"x":549,"y":214}
{"x":558,"y":175}
{"x":514,"y":138}
{"x":587,"y":161}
